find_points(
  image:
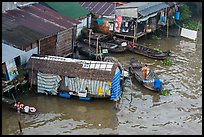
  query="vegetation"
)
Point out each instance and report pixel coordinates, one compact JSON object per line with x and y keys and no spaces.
{"x":21,"y":74}
{"x":187,"y":18}
{"x":154,"y":37}
{"x":165,"y":92}
{"x":158,"y":49}
{"x":167,"y":61}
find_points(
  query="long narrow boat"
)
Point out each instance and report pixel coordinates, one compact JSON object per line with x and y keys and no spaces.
{"x":148,"y":52}
{"x":135,"y":68}
{"x":89,"y":52}
{"x":112,"y":47}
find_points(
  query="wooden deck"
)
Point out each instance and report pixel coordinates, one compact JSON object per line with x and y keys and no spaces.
{"x":9,"y":87}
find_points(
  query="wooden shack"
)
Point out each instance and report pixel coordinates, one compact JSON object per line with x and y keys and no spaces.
{"x":135,"y":19}
{"x":102,"y":79}
{"x":57,"y":32}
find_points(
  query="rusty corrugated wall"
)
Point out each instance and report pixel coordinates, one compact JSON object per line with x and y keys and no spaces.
{"x":47,"y":46}
{"x":64,"y":43}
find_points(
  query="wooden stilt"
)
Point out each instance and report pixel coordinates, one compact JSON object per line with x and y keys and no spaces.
{"x":167,"y":23}
{"x":89,"y":40}
{"x":97,"y":49}
{"x":100,"y":53}
{"x":19,"y":124}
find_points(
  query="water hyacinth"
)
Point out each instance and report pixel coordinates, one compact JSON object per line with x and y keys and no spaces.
{"x":167,"y":61}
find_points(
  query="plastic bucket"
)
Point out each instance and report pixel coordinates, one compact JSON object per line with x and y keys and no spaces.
{"x":177,"y":15}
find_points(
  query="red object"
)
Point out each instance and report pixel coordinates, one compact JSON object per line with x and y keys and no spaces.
{"x":32,"y":109}
{"x":118,"y":21}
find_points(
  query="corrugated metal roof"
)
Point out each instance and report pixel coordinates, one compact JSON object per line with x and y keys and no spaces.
{"x":146,"y":8}
{"x":70,"y":67}
{"x":101,"y":8}
{"x":9,"y":52}
{"x":70,"y":9}
{"x":41,"y":19}
{"x":19,"y":36}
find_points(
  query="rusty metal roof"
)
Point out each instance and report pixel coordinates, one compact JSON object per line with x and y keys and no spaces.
{"x":41,"y":19}
{"x":19,"y":36}
{"x":101,"y":8}
{"x":70,"y":67}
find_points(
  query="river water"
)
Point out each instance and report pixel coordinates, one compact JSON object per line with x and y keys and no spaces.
{"x":139,"y":112}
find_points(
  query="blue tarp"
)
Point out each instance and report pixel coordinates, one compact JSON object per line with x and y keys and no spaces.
{"x":115,"y":89}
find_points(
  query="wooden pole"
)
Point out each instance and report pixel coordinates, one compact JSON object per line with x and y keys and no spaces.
{"x":197,"y":34}
{"x":97,"y":48}
{"x":136,"y":28}
{"x":167,"y":27}
{"x":100,"y":53}
{"x":167,"y":24}
{"x":134,"y":36}
{"x":89,"y":40}
{"x":19,"y":124}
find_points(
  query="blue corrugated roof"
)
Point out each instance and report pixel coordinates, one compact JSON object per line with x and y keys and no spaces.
{"x":151,"y":7}
{"x":146,"y":8}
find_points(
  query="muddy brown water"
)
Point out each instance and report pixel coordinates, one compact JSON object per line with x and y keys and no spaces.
{"x":140,"y":111}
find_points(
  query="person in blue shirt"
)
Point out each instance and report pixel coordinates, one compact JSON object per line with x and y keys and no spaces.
{"x":157,"y":84}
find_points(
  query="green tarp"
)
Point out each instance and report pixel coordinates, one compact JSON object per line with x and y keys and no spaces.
{"x":70,"y":9}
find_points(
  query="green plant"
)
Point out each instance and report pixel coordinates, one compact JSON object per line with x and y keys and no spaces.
{"x":165,"y":92}
{"x":192,"y":25}
{"x":157,"y":49}
{"x":167,"y":61}
{"x":185,"y":12}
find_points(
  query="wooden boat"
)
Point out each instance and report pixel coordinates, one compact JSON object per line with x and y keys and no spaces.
{"x":112,"y":47}
{"x":89,"y":52}
{"x":135,"y":68}
{"x":148,"y":52}
{"x":23,"y":110}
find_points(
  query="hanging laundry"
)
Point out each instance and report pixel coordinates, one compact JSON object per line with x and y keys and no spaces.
{"x":125,"y":27}
{"x":99,"y":21}
{"x":118,"y":21}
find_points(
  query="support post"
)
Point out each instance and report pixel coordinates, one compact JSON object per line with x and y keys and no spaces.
{"x":135,"y":32}
{"x":97,"y":48}
{"x":89,"y":40}
{"x":19,"y":124}
{"x":100,"y":52}
{"x":167,"y":28}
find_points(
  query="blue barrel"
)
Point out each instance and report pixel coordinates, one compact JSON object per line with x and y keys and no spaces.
{"x":64,"y":95}
{"x":177,"y":15}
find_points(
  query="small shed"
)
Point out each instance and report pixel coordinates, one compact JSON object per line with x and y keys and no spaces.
{"x":11,"y":59}
{"x":146,"y":16}
{"x":74,"y":76}
{"x":58,"y":31}
{"x":72,"y":10}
